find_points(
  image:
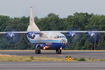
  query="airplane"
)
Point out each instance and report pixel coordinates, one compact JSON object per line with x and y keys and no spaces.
{"x":47,"y":40}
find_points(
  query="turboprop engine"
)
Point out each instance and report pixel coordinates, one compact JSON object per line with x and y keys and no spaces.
{"x":31,"y":35}
{"x":71,"y":34}
{"x":9,"y":35}
{"x":90,"y":34}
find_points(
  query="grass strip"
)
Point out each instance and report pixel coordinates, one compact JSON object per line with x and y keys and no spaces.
{"x":9,"y":58}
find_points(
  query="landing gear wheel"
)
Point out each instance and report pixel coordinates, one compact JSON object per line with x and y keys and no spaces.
{"x":58,"y":51}
{"x":38,"y":51}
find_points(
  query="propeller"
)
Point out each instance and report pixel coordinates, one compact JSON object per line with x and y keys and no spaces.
{"x":91,"y":37}
{"x":73,"y":38}
{"x":10,"y":38}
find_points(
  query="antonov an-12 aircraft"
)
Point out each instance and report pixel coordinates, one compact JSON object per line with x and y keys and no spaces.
{"x":47,"y":40}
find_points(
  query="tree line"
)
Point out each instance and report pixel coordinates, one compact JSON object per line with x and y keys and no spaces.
{"x":54,"y":22}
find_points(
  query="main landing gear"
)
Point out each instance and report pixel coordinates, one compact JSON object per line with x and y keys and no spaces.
{"x":58,"y":51}
{"x":38,"y":51}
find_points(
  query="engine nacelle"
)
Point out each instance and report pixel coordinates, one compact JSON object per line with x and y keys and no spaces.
{"x":9,"y":35}
{"x":31,"y":35}
{"x":90,"y":34}
{"x":71,"y":34}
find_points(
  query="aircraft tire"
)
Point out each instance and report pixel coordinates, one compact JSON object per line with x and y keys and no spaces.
{"x":38,"y":51}
{"x":58,"y":51}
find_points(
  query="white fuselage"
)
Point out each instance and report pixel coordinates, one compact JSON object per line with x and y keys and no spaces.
{"x":50,"y":39}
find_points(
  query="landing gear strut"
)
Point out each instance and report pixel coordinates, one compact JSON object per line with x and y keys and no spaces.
{"x":58,"y":51}
{"x":38,"y":51}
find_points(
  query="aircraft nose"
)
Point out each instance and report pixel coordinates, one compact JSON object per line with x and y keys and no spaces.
{"x":63,"y":42}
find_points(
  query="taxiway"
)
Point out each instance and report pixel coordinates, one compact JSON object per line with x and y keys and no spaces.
{"x":74,"y":54}
{"x":78,"y":65}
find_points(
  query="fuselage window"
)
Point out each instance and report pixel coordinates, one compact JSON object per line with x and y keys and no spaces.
{"x":59,"y":37}
{"x":55,"y":37}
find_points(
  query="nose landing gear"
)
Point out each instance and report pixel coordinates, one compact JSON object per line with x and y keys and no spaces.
{"x":58,"y":51}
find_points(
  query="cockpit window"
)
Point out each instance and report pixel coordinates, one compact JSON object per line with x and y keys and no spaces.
{"x":60,"y":36}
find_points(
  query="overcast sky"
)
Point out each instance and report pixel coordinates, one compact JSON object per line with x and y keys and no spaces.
{"x":41,"y":8}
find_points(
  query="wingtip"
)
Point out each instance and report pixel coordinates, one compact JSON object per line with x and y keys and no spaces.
{"x":31,"y":7}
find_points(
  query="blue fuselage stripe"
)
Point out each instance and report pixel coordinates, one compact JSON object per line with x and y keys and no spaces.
{"x":37,"y":41}
{"x":53,"y":44}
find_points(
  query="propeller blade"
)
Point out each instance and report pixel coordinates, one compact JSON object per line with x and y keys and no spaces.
{"x":77,"y":37}
{"x":10,"y":38}
{"x":92,"y":37}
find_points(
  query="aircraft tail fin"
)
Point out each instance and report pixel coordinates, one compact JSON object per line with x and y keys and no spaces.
{"x":32,"y":26}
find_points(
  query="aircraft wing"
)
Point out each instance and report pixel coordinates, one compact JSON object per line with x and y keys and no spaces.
{"x":39,"y":32}
{"x":65,"y":32}
{"x":31,"y":34}
{"x":21,"y":32}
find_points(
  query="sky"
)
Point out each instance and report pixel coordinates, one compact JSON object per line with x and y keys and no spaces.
{"x":41,"y":8}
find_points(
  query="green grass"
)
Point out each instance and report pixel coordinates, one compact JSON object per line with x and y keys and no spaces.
{"x":10,"y":58}
{"x":102,"y":60}
{"x":27,"y":58}
{"x":75,"y":59}
{"x":82,"y":59}
{"x":32,"y":58}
